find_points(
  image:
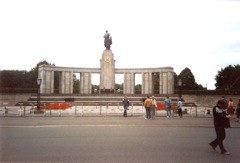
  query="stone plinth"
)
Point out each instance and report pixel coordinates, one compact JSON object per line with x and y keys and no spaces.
{"x":107,"y":77}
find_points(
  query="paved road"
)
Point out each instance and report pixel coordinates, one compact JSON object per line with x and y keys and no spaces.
{"x":113,"y":139}
{"x":107,"y":120}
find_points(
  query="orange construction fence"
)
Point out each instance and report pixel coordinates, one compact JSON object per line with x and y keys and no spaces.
{"x":163,"y":106}
{"x":56,"y":106}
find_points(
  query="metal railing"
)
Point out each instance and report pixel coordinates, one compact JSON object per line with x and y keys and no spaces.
{"x":107,"y":109}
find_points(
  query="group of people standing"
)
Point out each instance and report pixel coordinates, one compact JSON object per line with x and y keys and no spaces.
{"x":150,"y":104}
{"x":167,"y":102}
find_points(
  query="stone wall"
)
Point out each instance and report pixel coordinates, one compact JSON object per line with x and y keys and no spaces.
{"x":203,"y":100}
{"x":209,"y":100}
{"x":12,"y":99}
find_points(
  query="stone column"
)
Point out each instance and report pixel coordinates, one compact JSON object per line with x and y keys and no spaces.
{"x":132,"y":83}
{"x":85,"y":83}
{"x":66,"y":82}
{"x":150,"y":83}
{"x":164,"y":83}
{"x":170,"y":82}
{"x":160,"y":83}
{"x":147,"y":83}
{"x":47,"y":83}
{"x":71,"y":83}
{"x":41,"y":75}
{"x":128,"y":86}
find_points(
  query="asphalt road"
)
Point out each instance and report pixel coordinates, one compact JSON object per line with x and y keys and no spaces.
{"x":111,"y":139}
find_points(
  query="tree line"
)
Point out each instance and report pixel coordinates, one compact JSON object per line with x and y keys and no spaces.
{"x":227,"y":81}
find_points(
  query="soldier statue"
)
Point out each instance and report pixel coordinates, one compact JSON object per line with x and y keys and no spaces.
{"x":107,"y":40}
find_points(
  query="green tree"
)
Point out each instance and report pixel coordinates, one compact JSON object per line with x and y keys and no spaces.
{"x":138,"y":89}
{"x":32,"y":75}
{"x":22,"y":80}
{"x":188,"y":80}
{"x":155,"y":83}
{"x":76,"y":84}
{"x":175,"y":81}
{"x":228,"y":79}
{"x":118,"y":86}
{"x":13,"y":79}
{"x":94,"y":86}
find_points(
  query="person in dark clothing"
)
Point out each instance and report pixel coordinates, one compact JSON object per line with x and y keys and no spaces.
{"x":238,"y":111}
{"x":126,"y":104}
{"x":179,"y":106}
{"x":226,"y":102}
{"x":221,"y":117}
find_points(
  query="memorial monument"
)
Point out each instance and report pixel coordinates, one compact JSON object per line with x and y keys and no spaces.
{"x":107,"y":73}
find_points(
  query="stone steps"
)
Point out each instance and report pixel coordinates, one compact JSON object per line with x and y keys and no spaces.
{"x":89,"y":100}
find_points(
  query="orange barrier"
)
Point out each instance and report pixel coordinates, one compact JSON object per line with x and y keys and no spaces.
{"x":163,"y":106}
{"x":56,"y":106}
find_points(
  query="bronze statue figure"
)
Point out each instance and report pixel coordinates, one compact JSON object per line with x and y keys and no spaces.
{"x":107,"y":41}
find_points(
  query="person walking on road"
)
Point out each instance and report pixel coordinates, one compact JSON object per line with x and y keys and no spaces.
{"x":154,"y":105}
{"x":179,"y":106}
{"x":226,"y":105}
{"x":147,"y":105}
{"x":126,"y":104}
{"x":221,"y":121}
{"x":168,"y":107}
{"x":238,"y":111}
{"x":230,"y":107}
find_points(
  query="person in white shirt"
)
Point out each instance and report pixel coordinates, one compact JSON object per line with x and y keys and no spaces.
{"x":154,"y":105}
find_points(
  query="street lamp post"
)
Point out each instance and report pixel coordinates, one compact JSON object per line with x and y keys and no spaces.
{"x":180,"y":87}
{"x":38,"y":94}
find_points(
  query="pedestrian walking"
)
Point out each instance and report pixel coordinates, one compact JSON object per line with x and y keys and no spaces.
{"x":238,"y":111}
{"x":168,"y":107}
{"x":147,"y":105}
{"x":126,"y":104}
{"x":153,"y":108}
{"x":221,"y":121}
{"x":230,"y":107}
{"x":226,"y":105}
{"x":179,"y":105}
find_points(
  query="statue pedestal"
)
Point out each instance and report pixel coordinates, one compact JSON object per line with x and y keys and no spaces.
{"x":107,"y":77}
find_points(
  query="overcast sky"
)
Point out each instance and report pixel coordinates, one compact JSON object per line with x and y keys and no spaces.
{"x":203,"y":35}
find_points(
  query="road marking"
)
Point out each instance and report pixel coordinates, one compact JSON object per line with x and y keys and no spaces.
{"x":108,"y":125}
{"x":87,"y":125}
